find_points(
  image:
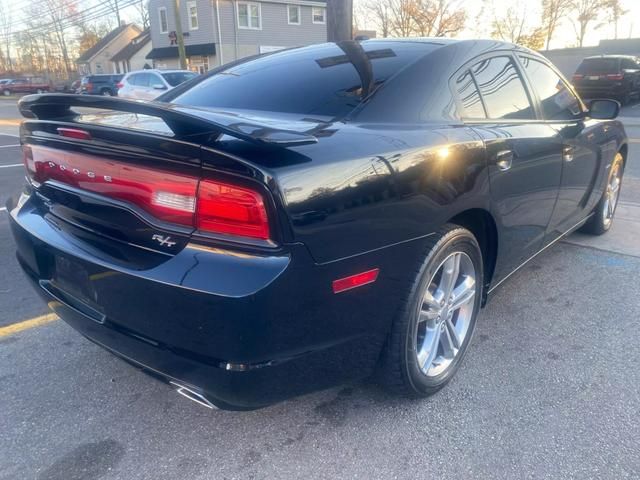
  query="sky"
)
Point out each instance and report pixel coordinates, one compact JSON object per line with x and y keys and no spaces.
{"x":628,"y":26}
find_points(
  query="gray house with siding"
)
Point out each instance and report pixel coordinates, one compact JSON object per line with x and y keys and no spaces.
{"x":220,"y":31}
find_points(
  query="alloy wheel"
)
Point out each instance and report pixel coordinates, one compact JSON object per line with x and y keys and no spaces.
{"x":612,"y":192}
{"x":445,"y":314}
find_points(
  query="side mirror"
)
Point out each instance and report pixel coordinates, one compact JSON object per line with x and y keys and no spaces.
{"x":158,"y":86}
{"x":604,"y":109}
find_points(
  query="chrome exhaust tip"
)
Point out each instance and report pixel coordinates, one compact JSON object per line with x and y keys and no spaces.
{"x":192,"y":395}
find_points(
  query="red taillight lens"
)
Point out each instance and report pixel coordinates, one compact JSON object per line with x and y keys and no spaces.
{"x":231,"y":210}
{"x":88,"y":87}
{"x":615,"y":76}
{"x":74,"y":133}
{"x":577,"y":76}
{"x":167,"y":196}
{"x":119,"y":85}
{"x":208,"y":205}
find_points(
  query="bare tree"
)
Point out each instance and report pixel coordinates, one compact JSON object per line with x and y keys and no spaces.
{"x":381,"y":15}
{"x":402,"y":14}
{"x":614,"y":12}
{"x":552,"y":12}
{"x":142,"y":9}
{"x":5,"y":29}
{"x":585,"y":12}
{"x":50,"y":17}
{"x":438,"y":18}
{"x":512,"y":26}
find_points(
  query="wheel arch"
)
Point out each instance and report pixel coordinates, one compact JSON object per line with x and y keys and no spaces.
{"x":624,"y":151}
{"x":481,"y":223}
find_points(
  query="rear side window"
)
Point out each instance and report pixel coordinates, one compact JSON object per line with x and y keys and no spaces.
{"x":176,"y":78}
{"x":324,"y":80}
{"x":556,"y":100}
{"x":154,"y":80}
{"x":599,"y":65}
{"x":502,"y":89}
{"x":140,"y":79}
{"x":469,"y":97}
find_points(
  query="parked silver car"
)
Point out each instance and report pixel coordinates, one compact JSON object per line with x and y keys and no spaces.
{"x":149,"y":84}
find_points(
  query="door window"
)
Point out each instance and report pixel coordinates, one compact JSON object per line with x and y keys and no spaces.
{"x":502,"y":89}
{"x":556,"y":99}
{"x":469,"y":97}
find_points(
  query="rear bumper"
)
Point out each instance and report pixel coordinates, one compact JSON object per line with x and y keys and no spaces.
{"x":248,"y":330}
{"x":602,"y":91}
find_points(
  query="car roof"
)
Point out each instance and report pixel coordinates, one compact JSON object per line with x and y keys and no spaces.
{"x":593,"y":57}
{"x":156,"y":70}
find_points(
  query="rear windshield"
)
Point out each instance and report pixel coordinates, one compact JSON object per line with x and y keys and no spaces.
{"x":325,"y":80}
{"x":599,"y":65}
{"x":176,"y":78}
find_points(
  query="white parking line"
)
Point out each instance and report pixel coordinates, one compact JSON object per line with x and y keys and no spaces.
{"x":12,"y":165}
{"x":9,"y":146}
{"x":3,"y":209}
{"x":10,"y":135}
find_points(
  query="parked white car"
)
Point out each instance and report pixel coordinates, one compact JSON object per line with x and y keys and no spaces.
{"x":149,"y":84}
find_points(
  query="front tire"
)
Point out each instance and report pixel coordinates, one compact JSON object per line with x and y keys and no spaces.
{"x":602,"y":218}
{"x":433,"y":329}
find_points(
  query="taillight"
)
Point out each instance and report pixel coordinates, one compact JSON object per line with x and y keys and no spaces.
{"x":119,"y":85}
{"x":207,"y":205}
{"x":74,"y":133}
{"x":615,"y":76}
{"x":29,"y":163}
{"x":231,"y":210}
{"x":577,"y":76}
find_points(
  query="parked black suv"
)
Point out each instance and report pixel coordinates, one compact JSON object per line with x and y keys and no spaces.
{"x":608,"y":76}
{"x":100,"y":84}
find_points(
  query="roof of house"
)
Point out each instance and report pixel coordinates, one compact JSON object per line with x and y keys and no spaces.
{"x":134,"y":46}
{"x":102,"y":43}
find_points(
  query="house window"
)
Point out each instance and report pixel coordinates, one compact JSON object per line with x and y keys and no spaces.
{"x":192,"y":9}
{"x":164,"y":24}
{"x":249,"y":15}
{"x":318,"y":15}
{"x":293,"y":12}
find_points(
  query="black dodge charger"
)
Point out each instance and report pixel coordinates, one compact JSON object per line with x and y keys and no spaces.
{"x":312,"y":216}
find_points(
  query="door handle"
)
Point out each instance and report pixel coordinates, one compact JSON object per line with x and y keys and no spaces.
{"x":504,"y":159}
{"x":568,"y":152}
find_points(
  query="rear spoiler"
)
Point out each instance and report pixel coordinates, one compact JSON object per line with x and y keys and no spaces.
{"x":182,"y":120}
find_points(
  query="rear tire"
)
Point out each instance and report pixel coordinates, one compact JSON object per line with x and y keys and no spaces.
{"x":602,"y":218}
{"x":431,"y":332}
{"x":105,"y":92}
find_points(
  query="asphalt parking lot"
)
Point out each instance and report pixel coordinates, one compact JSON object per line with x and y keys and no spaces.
{"x":549,"y":389}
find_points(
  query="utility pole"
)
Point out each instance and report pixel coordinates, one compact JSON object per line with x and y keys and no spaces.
{"x":339,"y":20}
{"x":180,"y":39}
{"x":117,"y":9}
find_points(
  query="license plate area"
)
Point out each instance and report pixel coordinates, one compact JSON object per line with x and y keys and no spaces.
{"x":593,"y":77}
{"x":71,"y":285}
